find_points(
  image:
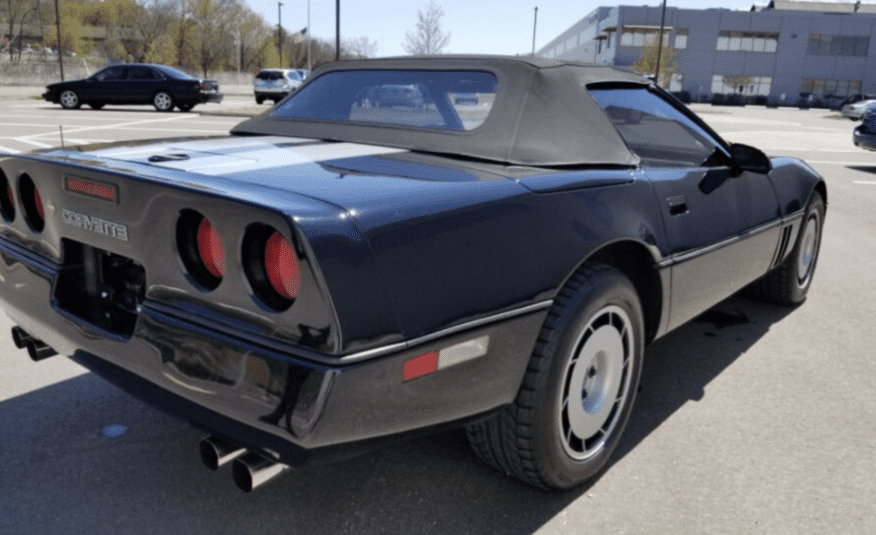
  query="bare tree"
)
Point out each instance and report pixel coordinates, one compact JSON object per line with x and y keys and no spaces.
{"x":428,"y":39}
{"x":16,"y":12}
{"x":359,"y":48}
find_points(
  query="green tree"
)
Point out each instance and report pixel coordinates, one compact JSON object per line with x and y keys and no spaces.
{"x":647,"y":62}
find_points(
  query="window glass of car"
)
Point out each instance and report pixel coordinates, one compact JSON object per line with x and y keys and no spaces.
{"x":398,"y":97}
{"x":110,"y":73}
{"x":170,"y":72}
{"x":270,"y":75}
{"x":655,"y":129}
{"x":141,"y":73}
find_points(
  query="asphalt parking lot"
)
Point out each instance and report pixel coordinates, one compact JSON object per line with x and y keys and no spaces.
{"x":751,"y":419}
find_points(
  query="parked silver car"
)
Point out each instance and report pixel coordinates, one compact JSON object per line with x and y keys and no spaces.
{"x":274,"y":84}
{"x":856,"y":111}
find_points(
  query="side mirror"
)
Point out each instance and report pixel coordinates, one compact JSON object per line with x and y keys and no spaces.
{"x":750,"y":159}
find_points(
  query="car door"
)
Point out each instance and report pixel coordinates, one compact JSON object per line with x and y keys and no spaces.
{"x":140,"y":84}
{"x":721,"y":222}
{"x":103,"y":86}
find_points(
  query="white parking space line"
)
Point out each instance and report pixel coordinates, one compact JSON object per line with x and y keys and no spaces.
{"x":31,"y":142}
{"x":843,"y":162}
{"x":869,"y":182}
{"x":11,"y":151}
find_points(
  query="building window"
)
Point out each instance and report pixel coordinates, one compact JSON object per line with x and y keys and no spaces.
{"x":643,"y":36}
{"x":741,"y":84}
{"x":747,"y":41}
{"x":826,"y":88}
{"x":837,"y":45}
{"x":681,"y":39}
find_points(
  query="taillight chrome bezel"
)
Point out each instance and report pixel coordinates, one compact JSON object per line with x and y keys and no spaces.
{"x":195,"y":237}
{"x":263,"y":283}
{"x":7,"y":201}
{"x":32,"y":203}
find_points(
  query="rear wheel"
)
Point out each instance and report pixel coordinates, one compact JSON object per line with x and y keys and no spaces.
{"x":259,"y":100}
{"x":70,"y":99}
{"x":579,"y":387}
{"x":96,"y":105}
{"x":163,"y":101}
{"x":185,"y":107}
{"x":789,"y":282}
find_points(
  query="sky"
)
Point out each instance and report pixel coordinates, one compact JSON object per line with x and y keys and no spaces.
{"x":475,"y":26}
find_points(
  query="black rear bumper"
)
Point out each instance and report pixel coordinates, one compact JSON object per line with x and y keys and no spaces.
{"x":281,"y":402}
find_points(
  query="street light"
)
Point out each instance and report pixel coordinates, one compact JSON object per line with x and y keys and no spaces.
{"x":660,"y":45}
{"x":280,"y":31}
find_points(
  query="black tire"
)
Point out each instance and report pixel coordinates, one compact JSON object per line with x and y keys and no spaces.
{"x":789,"y":282}
{"x":96,"y":105}
{"x":259,"y":100}
{"x":163,"y":101}
{"x":185,"y":107}
{"x":69,"y":99}
{"x":593,"y":338}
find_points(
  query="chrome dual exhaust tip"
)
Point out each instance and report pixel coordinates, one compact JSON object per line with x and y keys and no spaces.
{"x":253,"y":470}
{"x":216,"y":452}
{"x":36,"y":348}
{"x":250,"y":470}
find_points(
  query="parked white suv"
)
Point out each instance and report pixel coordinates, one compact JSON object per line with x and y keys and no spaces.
{"x":274,"y":84}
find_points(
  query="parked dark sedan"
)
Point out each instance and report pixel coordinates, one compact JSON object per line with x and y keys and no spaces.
{"x":162,"y":86}
{"x":336,"y":275}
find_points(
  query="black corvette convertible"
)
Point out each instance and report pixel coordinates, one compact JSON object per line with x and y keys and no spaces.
{"x":162,"y":86}
{"x":333,"y":275}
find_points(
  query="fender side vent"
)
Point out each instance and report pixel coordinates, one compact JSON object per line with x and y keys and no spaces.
{"x":783,"y":245}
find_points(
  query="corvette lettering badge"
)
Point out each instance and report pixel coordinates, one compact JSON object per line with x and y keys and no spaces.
{"x":95,"y":224}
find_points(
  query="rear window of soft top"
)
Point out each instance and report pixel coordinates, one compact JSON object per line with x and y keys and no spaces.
{"x":418,"y":98}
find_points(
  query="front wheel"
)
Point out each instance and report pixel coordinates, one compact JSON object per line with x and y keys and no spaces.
{"x":70,"y":99}
{"x":162,"y":101}
{"x":579,"y":387}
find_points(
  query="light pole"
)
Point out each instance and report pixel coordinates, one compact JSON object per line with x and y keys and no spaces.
{"x":60,"y":46}
{"x":280,"y":31}
{"x":337,"y":30}
{"x":534,"y":22}
{"x":660,"y":45}
{"x":309,"y":31}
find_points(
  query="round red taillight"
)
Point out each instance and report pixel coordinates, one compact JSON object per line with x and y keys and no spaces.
{"x":282,"y":266}
{"x":39,"y":204}
{"x":272,"y":267}
{"x":7,"y":204}
{"x":32,"y":203}
{"x":210,"y":248}
{"x":200,"y":249}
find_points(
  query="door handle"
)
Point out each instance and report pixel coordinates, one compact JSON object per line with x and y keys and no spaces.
{"x":677,"y":205}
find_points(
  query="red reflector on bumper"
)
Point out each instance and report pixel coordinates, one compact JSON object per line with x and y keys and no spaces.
{"x":420,"y":365}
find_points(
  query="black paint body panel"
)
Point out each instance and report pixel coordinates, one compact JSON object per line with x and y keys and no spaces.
{"x":401,"y":254}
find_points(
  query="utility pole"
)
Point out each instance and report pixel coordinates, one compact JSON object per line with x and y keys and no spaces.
{"x":660,"y":45}
{"x":309,"y":31}
{"x":337,"y":30}
{"x":534,"y":22}
{"x":60,"y":46}
{"x":280,"y":31}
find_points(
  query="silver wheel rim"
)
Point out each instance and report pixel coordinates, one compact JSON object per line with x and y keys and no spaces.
{"x":162,"y":101}
{"x":596,"y":383}
{"x":808,"y":245}
{"x":69,"y":99}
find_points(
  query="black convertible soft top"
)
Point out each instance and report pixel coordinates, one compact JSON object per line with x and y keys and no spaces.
{"x":542,"y":114}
